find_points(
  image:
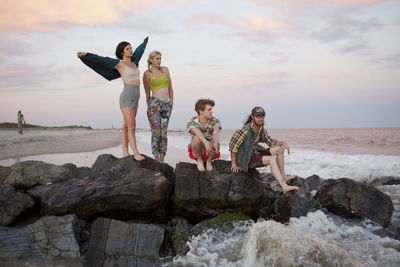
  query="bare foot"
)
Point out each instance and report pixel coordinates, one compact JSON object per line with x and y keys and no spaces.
{"x":200,"y":166}
{"x":290,"y":177}
{"x":125,"y":154}
{"x":209,"y":166}
{"x":138,"y":157}
{"x":289,"y":188}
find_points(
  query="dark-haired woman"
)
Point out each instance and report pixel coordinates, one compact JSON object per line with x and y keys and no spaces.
{"x":126,"y":68}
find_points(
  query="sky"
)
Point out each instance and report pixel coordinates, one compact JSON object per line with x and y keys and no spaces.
{"x":309,"y":63}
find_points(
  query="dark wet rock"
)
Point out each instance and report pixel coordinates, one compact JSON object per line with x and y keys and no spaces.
{"x":304,"y":188}
{"x":202,"y":195}
{"x":269,"y":178}
{"x":392,"y":231}
{"x":27,"y":174}
{"x":294,"y":204}
{"x":48,"y":237}
{"x":4,"y":173}
{"x":116,"y":243}
{"x":352,"y":199}
{"x":135,"y":194}
{"x":12,"y":204}
{"x":183,"y":232}
{"x":314,"y":181}
{"x":36,"y":262}
{"x":111,"y":166}
{"x":388,"y":180}
{"x":84,"y":171}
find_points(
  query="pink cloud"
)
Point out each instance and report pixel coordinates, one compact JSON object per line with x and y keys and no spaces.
{"x":49,"y":15}
{"x":329,"y":76}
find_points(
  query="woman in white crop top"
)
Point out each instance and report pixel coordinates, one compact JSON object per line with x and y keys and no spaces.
{"x":129,"y":98}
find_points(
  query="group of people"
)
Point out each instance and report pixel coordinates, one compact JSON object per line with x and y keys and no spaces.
{"x":204,"y":128}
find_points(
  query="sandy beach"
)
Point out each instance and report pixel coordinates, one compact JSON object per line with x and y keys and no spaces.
{"x":374,"y":141}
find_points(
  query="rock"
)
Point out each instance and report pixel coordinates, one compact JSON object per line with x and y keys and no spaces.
{"x":290,"y":205}
{"x":116,"y":243}
{"x":352,"y":199}
{"x":48,"y":237}
{"x":313,"y":182}
{"x":137,"y":194}
{"x":4,"y":173}
{"x":36,"y":262}
{"x":202,"y":195}
{"x":27,"y":174}
{"x":388,"y":180}
{"x":182,"y":233}
{"x":12,"y":204}
{"x":302,"y":184}
{"x":392,"y":231}
{"x":109,"y":165}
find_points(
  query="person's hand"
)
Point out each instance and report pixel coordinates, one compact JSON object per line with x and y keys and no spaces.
{"x":81,"y":54}
{"x":286,"y":146}
{"x":235,"y":168}
{"x":208,"y":147}
{"x":215,"y":146}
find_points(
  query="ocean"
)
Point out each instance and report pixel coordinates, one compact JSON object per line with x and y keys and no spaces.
{"x":319,"y":239}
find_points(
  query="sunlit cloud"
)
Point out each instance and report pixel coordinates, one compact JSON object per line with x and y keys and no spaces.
{"x":261,"y":24}
{"x":287,"y":5}
{"x":49,"y":15}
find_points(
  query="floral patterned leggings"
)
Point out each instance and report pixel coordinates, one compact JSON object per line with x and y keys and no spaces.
{"x":158,"y":112}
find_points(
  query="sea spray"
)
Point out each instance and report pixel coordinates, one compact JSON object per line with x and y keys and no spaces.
{"x":355,"y":236}
{"x":273,"y":244}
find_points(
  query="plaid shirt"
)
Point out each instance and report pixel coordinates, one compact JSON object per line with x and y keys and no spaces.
{"x":240,"y":135}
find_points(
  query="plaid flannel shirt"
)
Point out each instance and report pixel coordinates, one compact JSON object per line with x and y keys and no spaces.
{"x":240,"y":135}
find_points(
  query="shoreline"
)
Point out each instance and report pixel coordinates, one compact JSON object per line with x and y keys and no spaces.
{"x":34,"y":142}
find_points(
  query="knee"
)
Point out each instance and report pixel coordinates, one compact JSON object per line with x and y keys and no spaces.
{"x":131,"y":126}
{"x":125,"y":127}
{"x":268,"y":160}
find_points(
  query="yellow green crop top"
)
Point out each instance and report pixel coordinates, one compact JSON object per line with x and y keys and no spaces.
{"x":158,"y":83}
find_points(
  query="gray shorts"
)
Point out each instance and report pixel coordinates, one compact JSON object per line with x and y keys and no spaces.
{"x":129,"y":97}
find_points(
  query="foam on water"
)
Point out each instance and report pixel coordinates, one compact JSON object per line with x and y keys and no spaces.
{"x":315,"y":240}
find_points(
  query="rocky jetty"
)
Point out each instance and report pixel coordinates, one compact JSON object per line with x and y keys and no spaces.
{"x":120,"y":212}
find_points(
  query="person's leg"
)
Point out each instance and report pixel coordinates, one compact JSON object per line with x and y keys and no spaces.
{"x":279,"y":152}
{"x":271,"y":161}
{"x":198,"y":150}
{"x":130,"y":118}
{"x":165,"y":116}
{"x":154,"y":121}
{"x":125,"y":141}
{"x":210,"y":155}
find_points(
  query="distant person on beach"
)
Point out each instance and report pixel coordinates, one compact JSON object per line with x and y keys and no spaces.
{"x":159,"y":98}
{"x":126,"y":67}
{"x":247,"y":154}
{"x":204,"y":129}
{"x":20,"y":122}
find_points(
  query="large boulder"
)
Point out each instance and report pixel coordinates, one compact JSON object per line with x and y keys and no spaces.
{"x":27,"y":174}
{"x":12,"y":203}
{"x":314,"y":181}
{"x":4,"y":173}
{"x":48,"y":237}
{"x":292,"y":205}
{"x":135,"y":193}
{"x":202,"y":195}
{"x":116,"y":243}
{"x":351,"y":199}
{"x":109,"y":165}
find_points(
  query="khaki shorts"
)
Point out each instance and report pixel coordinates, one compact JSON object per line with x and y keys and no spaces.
{"x":256,"y":159}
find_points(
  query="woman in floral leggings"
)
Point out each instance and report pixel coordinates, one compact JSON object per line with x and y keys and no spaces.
{"x":159,"y":98}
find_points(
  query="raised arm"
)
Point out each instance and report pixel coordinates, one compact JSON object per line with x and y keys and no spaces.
{"x":137,"y":55}
{"x":102,"y":65}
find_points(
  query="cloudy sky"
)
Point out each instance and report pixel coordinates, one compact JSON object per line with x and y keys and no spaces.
{"x":310,"y":63}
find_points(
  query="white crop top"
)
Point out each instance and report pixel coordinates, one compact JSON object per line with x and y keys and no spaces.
{"x":130,"y":74}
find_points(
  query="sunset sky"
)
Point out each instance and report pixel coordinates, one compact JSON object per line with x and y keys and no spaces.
{"x":309,"y":63}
